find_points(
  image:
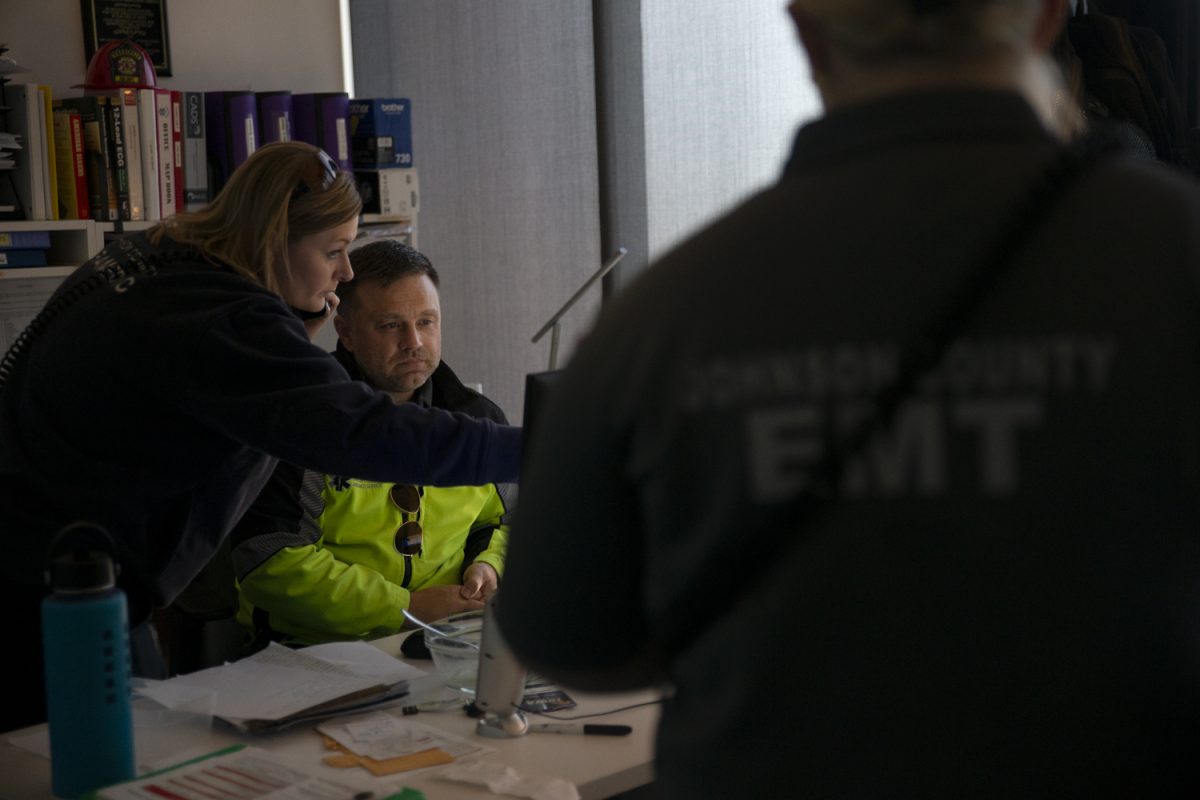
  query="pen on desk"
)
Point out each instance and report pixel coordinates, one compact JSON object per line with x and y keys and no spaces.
{"x":585,"y":730}
{"x":437,"y":705}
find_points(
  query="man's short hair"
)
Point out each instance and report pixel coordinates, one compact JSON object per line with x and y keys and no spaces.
{"x":881,"y":29}
{"x":383,"y":262}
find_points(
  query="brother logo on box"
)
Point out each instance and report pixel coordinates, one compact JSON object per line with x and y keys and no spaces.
{"x":381,"y":132}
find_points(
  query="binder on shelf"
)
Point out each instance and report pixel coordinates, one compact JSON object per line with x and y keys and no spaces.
{"x":323,"y":119}
{"x":19,"y":240}
{"x":381,"y":132}
{"x":195,"y":153}
{"x":275,"y":116}
{"x":231,"y":133}
{"x":25,"y":257}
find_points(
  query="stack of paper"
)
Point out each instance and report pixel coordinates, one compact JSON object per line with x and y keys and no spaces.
{"x":278,"y":687}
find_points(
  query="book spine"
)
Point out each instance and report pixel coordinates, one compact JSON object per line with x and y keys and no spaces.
{"x":166,"y":152}
{"x":64,"y":157}
{"x":110,"y":209}
{"x":177,"y":146}
{"x":94,"y":160}
{"x":131,"y":122}
{"x":79,"y":167}
{"x":46,"y":114}
{"x":116,"y":143}
{"x":34,"y":157}
{"x":148,"y":130}
{"x":195,"y":154}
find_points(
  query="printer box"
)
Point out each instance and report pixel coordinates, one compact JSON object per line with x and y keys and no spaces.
{"x":381,"y":132}
{"x":388,"y":192}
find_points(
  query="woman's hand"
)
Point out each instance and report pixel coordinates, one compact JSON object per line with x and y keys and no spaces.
{"x":314,"y":326}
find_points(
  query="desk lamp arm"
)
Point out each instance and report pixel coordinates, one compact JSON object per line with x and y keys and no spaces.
{"x":552,"y":323}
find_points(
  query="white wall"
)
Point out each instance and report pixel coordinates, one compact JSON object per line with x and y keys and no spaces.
{"x":215,"y":44}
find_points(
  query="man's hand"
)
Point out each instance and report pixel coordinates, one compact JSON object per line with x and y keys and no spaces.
{"x":480,"y":582}
{"x":437,"y":602}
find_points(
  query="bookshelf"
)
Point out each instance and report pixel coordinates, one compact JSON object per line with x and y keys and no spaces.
{"x":107,"y":165}
{"x":72,"y":241}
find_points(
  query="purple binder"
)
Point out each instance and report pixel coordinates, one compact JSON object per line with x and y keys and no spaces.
{"x":323,"y":119}
{"x":275,"y":116}
{"x":232,"y":133}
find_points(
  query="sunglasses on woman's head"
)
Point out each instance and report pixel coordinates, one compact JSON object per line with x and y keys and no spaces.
{"x":329,"y":173}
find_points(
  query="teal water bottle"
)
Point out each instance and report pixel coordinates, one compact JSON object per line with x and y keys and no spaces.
{"x":85,"y":637}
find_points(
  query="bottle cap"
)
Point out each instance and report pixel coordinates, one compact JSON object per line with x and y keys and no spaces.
{"x":82,"y":571}
{"x":81,"y":559}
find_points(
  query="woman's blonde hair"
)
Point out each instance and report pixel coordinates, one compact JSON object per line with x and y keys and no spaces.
{"x":879,"y":29}
{"x":283,"y":192}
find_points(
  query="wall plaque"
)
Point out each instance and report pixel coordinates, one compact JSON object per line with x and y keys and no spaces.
{"x":143,"y":21}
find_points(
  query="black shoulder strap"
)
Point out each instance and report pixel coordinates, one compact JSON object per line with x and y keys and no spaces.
{"x":715,"y":579}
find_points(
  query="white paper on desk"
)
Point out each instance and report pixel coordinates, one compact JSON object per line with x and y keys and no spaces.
{"x":381,"y":735}
{"x":367,"y":660}
{"x":157,"y":734}
{"x":271,"y":684}
{"x":500,"y":779}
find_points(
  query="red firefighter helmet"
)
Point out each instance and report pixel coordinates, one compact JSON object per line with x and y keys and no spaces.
{"x":120,"y":64}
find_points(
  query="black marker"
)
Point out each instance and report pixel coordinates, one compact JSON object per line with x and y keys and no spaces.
{"x":585,"y":730}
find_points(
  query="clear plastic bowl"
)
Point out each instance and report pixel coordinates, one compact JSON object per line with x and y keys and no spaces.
{"x":456,"y":654}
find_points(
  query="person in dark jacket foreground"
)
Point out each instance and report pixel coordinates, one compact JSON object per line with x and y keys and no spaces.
{"x":170,"y":373}
{"x":993,"y":594}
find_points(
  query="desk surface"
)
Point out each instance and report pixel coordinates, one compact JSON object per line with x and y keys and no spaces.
{"x":600,"y":766}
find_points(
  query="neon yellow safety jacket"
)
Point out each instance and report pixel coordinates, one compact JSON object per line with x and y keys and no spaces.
{"x":317,"y":558}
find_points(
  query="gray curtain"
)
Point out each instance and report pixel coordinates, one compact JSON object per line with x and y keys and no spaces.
{"x":504,"y":138}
